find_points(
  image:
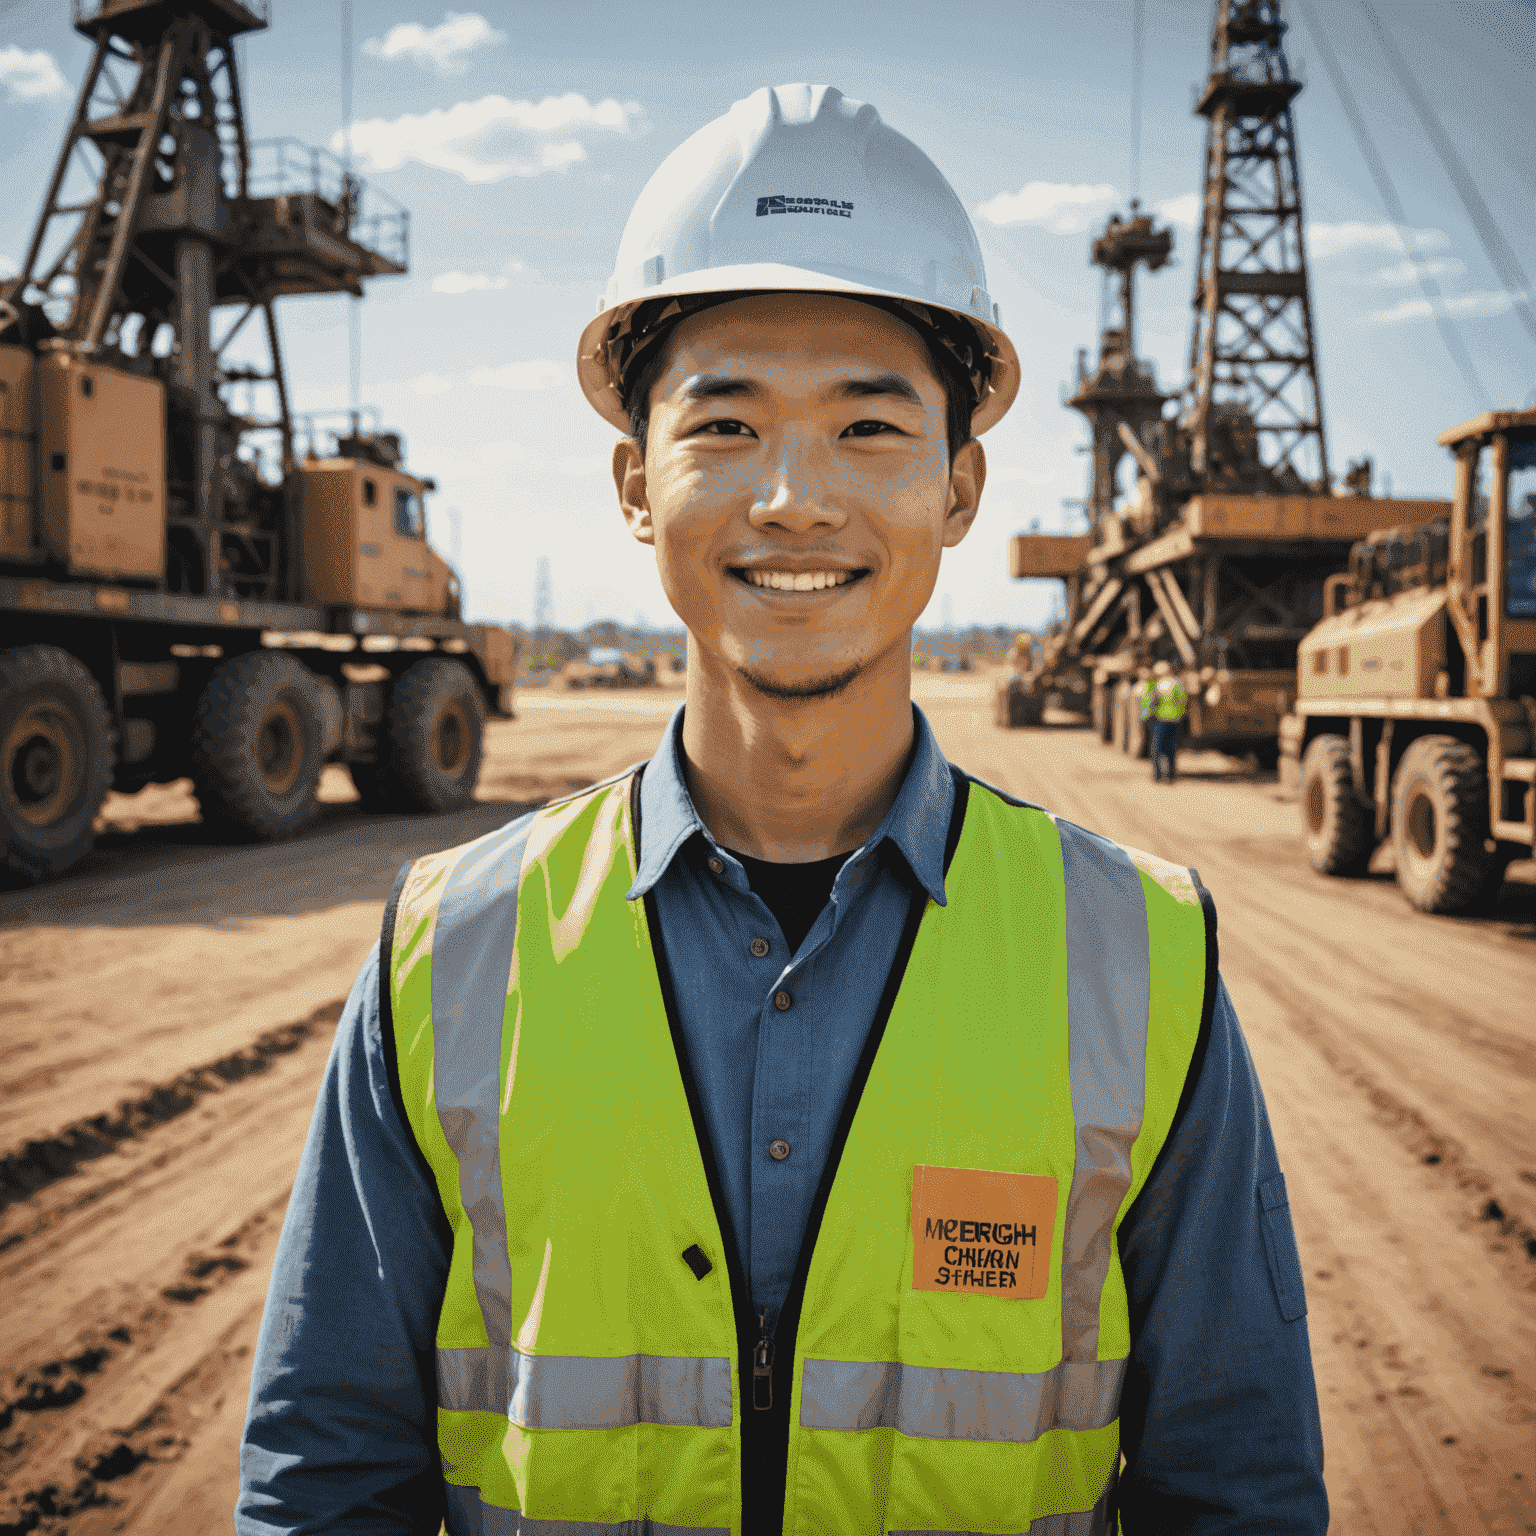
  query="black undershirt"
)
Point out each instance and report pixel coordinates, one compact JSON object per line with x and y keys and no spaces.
{"x":794,"y":893}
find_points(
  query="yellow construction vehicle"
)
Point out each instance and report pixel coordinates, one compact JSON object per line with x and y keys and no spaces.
{"x":1416,"y":708}
{"x":183,"y":591}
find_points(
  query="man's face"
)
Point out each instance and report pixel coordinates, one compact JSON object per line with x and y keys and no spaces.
{"x":796,"y":486}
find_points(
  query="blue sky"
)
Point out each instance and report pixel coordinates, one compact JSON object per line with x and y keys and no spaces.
{"x":519,"y":136}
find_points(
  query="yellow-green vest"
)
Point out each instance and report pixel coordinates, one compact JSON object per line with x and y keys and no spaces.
{"x":1170,"y":703}
{"x":595,"y":1347}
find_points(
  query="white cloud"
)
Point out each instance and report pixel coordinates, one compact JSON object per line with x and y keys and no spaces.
{"x":1406,"y":272}
{"x":8,"y":268}
{"x":541,"y":373}
{"x":1462,"y":306}
{"x":1335,"y":239}
{"x":1183,"y":210}
{"x":483,"y":282}
{"x":500,"y":454}
{"x":29,"y":76}
{"x":431,"y":384}
{"x":1063,"y":208}
{"x":442,"y":47}
{"x":493,"y":138}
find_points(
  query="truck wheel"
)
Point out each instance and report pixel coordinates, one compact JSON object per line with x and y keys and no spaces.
{"x":1340,"y":830}
{"x":56,"y":757}
{"x":433,"y":735}
{"x":1440,"y":824}
{"x":256,"y":747}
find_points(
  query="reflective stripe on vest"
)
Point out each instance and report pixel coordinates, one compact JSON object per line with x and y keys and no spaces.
{"x":539,"y":1077}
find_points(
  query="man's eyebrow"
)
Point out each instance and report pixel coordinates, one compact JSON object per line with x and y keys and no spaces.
{"x":715,"y":386}
{"x":888,"y":383}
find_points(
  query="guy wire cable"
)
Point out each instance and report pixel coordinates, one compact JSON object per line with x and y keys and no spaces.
{"x":1387,"y":192}
{"x":1500,"y":253}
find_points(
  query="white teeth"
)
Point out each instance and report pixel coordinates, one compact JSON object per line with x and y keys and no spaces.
{"x":797,"y":581}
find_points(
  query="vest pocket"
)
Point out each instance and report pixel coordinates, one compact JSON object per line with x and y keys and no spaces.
{"x":1280,"y":1245}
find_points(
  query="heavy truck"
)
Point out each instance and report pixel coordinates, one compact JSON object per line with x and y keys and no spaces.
{"x":1415,"y":717}
{"x":1214,"y":556}
{"x":183,"y":591}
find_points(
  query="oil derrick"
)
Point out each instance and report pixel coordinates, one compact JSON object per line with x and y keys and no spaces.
{"x":1253,"y":413}
{"x":1121,"y":394}
{"x":160,"y":212}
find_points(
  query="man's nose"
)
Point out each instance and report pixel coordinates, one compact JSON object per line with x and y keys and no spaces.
{"x":794,"y":498}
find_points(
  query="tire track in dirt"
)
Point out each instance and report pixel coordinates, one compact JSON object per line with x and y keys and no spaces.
{"x":39,"y":1163}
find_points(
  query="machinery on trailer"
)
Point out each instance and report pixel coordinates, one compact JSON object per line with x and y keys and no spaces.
{"x":181,"y":591}
{"x":1416,"y":709}
{"x":1216,"y":556}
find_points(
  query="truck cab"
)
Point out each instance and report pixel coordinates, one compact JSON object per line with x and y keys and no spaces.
{"x":1416,"y":693}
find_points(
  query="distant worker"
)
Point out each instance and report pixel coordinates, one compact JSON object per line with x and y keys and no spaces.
{"x":1143,"y":693}
{"x":1170,"y":703}
{"x":1022,"y":657}
{"x":793,"y":1133}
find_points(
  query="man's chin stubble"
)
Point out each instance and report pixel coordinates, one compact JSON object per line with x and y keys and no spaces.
{"x":816,"y":688}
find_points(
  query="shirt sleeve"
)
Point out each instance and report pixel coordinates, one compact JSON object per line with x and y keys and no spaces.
{"x":341,"y":1430}
{"x":1219,"y":1421}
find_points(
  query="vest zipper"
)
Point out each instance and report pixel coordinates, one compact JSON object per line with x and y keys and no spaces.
{"x":765,"y":1431}
{"x":762,"y":1365}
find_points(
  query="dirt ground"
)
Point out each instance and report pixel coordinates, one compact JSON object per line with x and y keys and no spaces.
{"x":165,"y":1014}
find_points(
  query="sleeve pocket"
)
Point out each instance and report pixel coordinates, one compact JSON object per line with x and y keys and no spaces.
{"x":1280,"y":1245}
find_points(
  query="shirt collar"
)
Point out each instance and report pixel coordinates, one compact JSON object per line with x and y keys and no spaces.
{"x":917,"y":822}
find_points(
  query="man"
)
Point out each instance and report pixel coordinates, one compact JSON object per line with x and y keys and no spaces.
{"x":793,"y":1134}
{"x":1170,"y":701}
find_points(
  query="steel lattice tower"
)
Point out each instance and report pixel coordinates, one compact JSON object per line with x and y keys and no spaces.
{"x":1252,"y":353}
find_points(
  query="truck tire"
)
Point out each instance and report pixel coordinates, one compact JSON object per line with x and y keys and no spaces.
{"x":1340,"y":830}
{"x":431,"y":744}
{"x":256,"y":747}
{"x":56,"y":760}
{"x":1440,"y":825}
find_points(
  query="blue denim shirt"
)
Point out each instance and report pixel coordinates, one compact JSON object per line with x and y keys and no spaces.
{"x":1219,"y":1422}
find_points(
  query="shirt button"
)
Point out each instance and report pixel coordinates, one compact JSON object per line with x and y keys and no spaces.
{"x":778,"y":1150}
{"x":716,"y":866}
{"x":782,"y":1000}
{"x":759,"y":947}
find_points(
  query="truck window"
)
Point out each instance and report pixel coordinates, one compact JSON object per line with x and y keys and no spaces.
{"x":409,"y":523}
{"x":370,"y":492}
{"x":1520,"y":591}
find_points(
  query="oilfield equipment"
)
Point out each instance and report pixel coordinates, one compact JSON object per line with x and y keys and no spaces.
{"x":1216,"y":559}
{"x":183,"y":591}
{"x":1417,"y":711}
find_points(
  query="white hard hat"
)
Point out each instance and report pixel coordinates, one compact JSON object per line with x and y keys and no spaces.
{"x":797,"y":188}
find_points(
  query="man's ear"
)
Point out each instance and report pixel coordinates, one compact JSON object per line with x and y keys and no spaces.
{"x":967,"y":477}
{"x":629,"y":482}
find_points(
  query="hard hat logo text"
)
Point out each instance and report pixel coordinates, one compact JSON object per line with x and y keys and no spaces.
{"x":826,"y":205}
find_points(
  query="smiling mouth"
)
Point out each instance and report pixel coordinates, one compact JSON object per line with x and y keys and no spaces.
{"x":796,"y":581}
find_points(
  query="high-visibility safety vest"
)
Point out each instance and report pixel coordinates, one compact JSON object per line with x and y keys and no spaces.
{"x":599,"y":1367}
{"x":1170,"y":700}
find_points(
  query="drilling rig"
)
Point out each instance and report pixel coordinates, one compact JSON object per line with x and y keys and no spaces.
{"x":1215,"y":560}
{"x":188,"y":588}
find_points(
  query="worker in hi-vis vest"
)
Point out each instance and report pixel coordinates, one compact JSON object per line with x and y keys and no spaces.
{"x":793,"y":1133}
{"x":1169,"y":701}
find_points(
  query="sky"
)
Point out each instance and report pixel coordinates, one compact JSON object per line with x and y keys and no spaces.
{"x":518,"y":136}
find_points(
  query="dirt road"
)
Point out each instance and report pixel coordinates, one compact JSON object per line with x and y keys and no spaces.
{"x":165,"y":1015}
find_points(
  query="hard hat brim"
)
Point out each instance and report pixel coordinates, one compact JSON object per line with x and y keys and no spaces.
{"x":768,"y":277}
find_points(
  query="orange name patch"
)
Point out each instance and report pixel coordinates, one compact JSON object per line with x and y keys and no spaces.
{"x":975,"y":1232}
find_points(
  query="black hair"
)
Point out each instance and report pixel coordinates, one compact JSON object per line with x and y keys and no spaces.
{"x":958,"y":392}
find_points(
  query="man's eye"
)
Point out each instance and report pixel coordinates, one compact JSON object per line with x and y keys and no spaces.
{"x":727,"y":429}
{"x":870,"y":429}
